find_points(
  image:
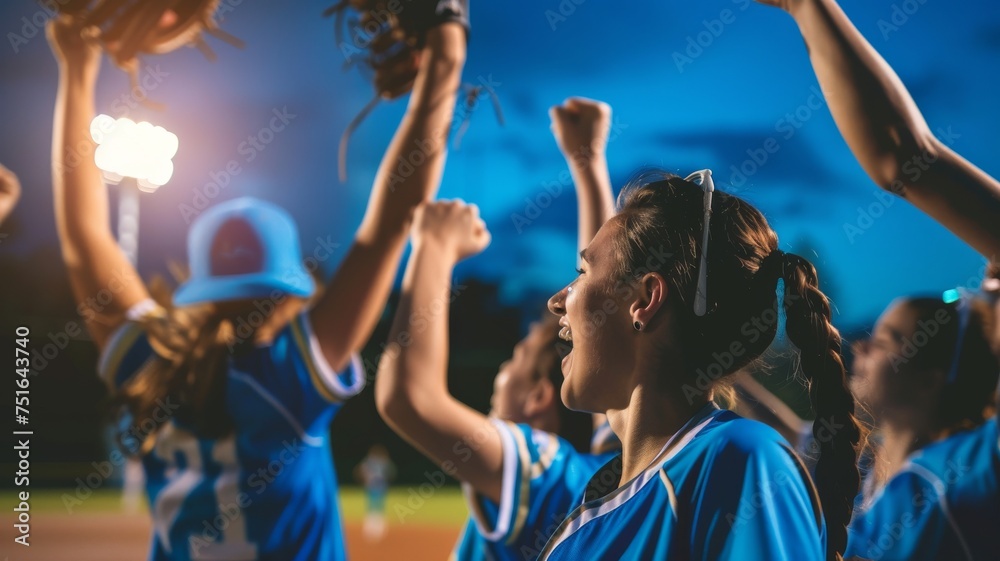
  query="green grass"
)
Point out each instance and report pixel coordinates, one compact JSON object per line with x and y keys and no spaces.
{"x":444,"y":506}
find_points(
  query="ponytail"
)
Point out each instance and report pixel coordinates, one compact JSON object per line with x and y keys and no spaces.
{"x":837,"y":431}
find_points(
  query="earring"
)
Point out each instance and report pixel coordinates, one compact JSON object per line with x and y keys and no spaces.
{"x":637,"y":325}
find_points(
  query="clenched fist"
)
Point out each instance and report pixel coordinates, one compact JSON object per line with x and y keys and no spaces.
{"x":453,"y":228}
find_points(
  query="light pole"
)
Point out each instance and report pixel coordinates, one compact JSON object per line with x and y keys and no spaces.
{"x":137,"y":157}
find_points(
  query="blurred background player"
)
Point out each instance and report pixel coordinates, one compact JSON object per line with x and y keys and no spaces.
{"x":675,"y":277}
{"x":522,"y":467}
{"x":927,"y":376}
{"x":238,"y":464}
{"x":375,"y":473}
{"x":932,"y":403}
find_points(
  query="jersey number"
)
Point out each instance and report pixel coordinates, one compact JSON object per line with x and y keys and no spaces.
{"x":225,"y":535}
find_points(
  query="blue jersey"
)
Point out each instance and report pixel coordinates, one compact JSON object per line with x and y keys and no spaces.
{"x":267,"y":491}
{"x":943,"y":504}
{"x":543,"y":476}
{"x":724,"y":488}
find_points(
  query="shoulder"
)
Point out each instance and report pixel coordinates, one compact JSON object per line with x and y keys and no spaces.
{"x":958,"y":455}
{"x":734,"y":434}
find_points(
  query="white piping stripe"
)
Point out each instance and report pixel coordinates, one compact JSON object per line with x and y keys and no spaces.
{"x":508,"y":487}
{"x":671,"y":495}
{"x":627,"y":492}
{"x":310,"y":440}
{"x":330,"y":377}
{"x":940,"y":488}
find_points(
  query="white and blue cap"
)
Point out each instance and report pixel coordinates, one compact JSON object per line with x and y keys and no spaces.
{"x":243,"y":248}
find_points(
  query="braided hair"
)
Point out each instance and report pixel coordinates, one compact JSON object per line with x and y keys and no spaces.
{"x":662,"y":214}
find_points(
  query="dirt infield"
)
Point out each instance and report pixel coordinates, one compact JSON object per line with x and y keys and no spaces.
{"x":121,"y":537}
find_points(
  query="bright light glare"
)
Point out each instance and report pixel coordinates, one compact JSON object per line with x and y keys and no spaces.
{"x":129,"y":149}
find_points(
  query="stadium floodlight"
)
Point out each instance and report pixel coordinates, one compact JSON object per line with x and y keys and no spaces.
{"x":138,"y":150}
{"x":137,"y":156}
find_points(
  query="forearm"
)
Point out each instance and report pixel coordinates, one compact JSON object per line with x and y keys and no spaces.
{"x":413,"y":370}
{"x":595,"y":201}
{"x":408,"y":175}
{"x":887,"y":134}
{"x":411,"y":169}
{"x":872,"y":108}
{"x":411,"y":389}
{"x":81,"y":204}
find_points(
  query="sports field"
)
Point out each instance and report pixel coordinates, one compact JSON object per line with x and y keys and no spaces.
{"x":100,"y":529}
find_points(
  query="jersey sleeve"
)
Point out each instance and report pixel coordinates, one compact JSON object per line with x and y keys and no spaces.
{"x":128,"y":349}
{"x":543,"y":479}
{"x":754,"y":500}
{"x":908,"y":520}
{"x":317,"y":386}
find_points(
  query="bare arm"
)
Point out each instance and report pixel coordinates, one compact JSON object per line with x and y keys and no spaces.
{"x":96,"y":265}
{"x":411,"y":389}
{"x":347,"y":313}
{"x":581,"y":128}
{"x":887,"y":133}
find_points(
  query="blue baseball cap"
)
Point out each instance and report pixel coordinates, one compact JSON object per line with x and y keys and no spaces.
{"x":243,"y":248}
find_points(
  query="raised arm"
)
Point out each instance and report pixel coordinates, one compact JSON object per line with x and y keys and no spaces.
{"x":98,"y":270}
{"x":581,"y":128}
{"x":411,"y":389}
{"x":409,"y":174}
{"x":888,"y":135}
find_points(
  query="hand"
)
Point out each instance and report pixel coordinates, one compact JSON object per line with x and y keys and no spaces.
{"x":581,"y":127}
{"x":10,"y":192}
{"x":74,"y":46}
{"x":451,"y":227}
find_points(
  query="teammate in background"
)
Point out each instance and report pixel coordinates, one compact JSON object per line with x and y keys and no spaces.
{"x":523,"y":467}
{"x":886,"y":132}
{"x":928,"y":375}
{"x":933,"y":404}
{"x":10,"y":192}
{"x":375,"y":472}
{"x":239,"y":463}
{"x":675,"y":278}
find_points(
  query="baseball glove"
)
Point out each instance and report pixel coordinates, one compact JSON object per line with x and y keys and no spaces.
{"x":128,"y":28}
{"x":384,"y":38}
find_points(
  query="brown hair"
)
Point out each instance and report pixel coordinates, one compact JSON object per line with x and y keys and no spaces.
{"x":967,"y":401}
{"x":191,"y":346}
{"x":662,"y":214}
